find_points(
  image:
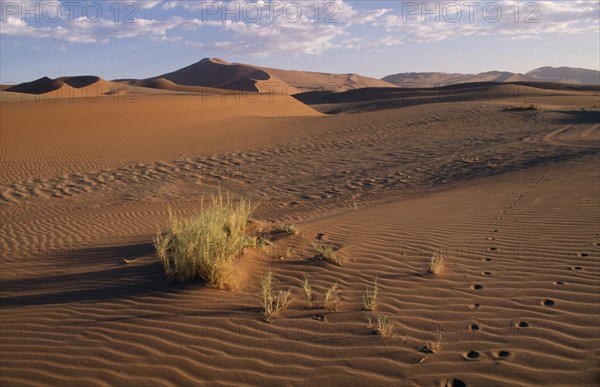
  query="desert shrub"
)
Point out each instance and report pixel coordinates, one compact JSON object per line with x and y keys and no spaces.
{"x":207,"y":244}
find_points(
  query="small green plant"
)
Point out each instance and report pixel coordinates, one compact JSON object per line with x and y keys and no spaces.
{"x":370,"y":296}
{"x":307,"y":292}
{"x":288,"y":229}
{"x":207,"y":244}
{"x":327,"y":252}
{"x":332,"y":297}
{"x":273,"y":303}
{"x":436,"y":265}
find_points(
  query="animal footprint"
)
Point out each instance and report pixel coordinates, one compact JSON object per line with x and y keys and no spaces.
{"x":548,"y":302}
{"x":471,"y":355}
{"x":502,"y":355}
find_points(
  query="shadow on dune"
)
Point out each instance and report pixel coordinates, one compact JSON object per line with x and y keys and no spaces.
{"x":580,"y":117}
{"x":91,"y":275}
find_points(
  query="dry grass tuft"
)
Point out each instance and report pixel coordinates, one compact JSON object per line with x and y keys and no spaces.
{"x":327,"y":252}
{"x":381,"y":325}
{"x":206,"y":245}
{"x":288,"y":229}
{"x":370,"y":296}
{"x":332,"y":297}
{"x":307,"y":292}
{"x":436,"y":265}
{"x":273,"y":303}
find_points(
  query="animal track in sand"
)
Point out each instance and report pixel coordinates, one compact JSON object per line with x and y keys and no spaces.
{"x":576,"y":268}
{"x":559,"y":283}
{"x":477,"y":286}
{"x":583,"y":255}
{"x":455,"y":383}
{"x":474,"y":327}
{"x":487,"y":273}
{"x":502,"y":355}
{"x":522,"y":324}
{"x":471,"y":355}
{"x":547,"y":302}
{"x":474,"y":306}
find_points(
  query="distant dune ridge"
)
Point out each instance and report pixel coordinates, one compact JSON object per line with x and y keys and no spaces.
{"x":218,"y":73}
{"x":571,"y":75}
{"x":88,"y":86}
{"x":212,"y":74}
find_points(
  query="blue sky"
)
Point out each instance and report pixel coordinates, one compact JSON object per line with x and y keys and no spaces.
{"x":373,"y":38}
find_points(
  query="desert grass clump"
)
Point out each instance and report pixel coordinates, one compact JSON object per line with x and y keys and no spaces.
{"x":307,"y":292}
{"x":288,"y":229}
{"x":327,"y":252}
{"x":370,"y":296}
{"x":436,"y":265}
{"x":381,"y":326}
{"x":332,"y":297}
{"x":273,"y":303}
{"x":207,"y":244}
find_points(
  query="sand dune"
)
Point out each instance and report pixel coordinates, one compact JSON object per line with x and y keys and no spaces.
{"x":217,"y":73}
{"x":509,"y":195}
{"x":370,"y":99}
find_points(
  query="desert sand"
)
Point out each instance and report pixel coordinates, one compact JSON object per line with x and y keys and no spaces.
{"x":503,"y":179}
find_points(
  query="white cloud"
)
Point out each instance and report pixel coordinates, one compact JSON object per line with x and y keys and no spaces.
{"x":532,"y":20}
{"x":294,"y":27}
{"x":148,"y":4}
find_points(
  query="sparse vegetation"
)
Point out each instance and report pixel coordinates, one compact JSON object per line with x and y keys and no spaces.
{"x":307,"y":292}
{"x":332,"y":297}
{"x":206,"y":245}
{"x":327,"y":252}
{"x":370,"y":296}
{"x":381,"y":326}
{"x":261,"y":240}
{"x":288,"y":229}
{"x":273,"y":303}
{"x":436,"y":265}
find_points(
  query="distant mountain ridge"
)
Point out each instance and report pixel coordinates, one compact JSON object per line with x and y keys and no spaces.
{"x":577,"y":76}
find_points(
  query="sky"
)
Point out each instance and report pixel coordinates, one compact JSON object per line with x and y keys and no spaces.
{"x":139,"y":39}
